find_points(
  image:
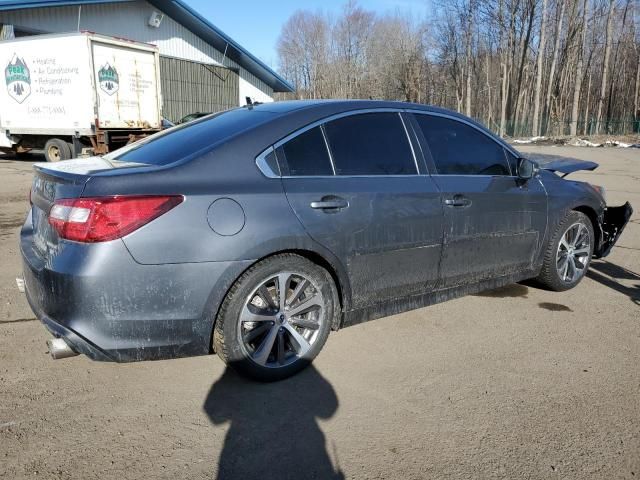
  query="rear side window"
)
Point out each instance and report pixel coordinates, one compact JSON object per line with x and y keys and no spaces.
{"x":370,"y":144}
{"x":459,"y":149}
{"x":180,"y":142}
{"x":305,"y":155}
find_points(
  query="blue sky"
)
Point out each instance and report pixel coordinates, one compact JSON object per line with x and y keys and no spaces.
{"x":256,"y":24}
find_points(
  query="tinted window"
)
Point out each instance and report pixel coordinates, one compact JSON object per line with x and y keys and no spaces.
{"x":370,"y":144}
{"x":187,"y":139}
{"x":459,"y":149}
{"x":305,"y":154}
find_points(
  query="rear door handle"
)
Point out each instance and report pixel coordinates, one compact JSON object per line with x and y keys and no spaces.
{"x":330,"y":202}
{"x":457,"y":201}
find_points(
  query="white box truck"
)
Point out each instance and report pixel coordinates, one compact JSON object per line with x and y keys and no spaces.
{"x":77,"y":93}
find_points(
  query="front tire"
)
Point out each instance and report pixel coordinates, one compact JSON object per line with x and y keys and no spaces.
{"x":267,"y":335}
{"x":569,"y":253}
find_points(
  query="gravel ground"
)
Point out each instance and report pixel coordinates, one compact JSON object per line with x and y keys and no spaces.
{"x":513,"y":383}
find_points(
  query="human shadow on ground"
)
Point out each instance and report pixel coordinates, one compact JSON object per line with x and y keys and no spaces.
{"x":273,"y":431}
{"x":601,"y":270}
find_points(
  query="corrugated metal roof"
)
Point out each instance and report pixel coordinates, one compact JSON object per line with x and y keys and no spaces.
{"x":191,"y":20}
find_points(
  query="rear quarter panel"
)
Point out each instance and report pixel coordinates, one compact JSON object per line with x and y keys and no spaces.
{"x":186,"y":233}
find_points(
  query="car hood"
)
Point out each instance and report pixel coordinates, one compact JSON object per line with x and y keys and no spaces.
{"x":566,"y":165}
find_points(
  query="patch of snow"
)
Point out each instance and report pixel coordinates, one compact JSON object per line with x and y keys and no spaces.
{"x":581,"y":142}
{"x":615,"y":143}
{"x":529,"y":140}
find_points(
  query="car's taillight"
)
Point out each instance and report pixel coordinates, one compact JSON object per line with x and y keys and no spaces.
{"x":99,"y":219}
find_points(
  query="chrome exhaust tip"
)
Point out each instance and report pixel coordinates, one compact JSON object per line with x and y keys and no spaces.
{"x":58,"y":349}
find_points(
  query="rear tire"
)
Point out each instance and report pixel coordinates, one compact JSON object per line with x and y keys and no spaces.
{"x":269,"y":337}
{"x":568,"y":253}
{"x":56,"y":150}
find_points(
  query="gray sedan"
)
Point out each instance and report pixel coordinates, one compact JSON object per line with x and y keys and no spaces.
{"x":255,"y":232}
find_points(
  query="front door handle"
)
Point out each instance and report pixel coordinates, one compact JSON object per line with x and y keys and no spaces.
{"x":330,"y":202}
{"x":457,"y":201}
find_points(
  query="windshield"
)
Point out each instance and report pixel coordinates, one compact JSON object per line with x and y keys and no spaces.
{"x":183,"y":141}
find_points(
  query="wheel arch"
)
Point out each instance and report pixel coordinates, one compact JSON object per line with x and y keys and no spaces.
{"x":593,"y":216}
{"x":335,"y":269}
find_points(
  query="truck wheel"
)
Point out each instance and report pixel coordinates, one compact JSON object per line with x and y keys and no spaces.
{"x":276,"y":317}
{"x":72,"y":154}
{"x":56,"y":150}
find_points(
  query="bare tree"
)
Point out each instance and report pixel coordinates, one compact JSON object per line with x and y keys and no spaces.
{"x":579,"y":72}
{"x":525,"y":67}
{"x":536,"y":102}
{"x":605,"y":66}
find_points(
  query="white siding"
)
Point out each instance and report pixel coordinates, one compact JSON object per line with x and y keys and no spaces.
{"x":129,"y":20}
{"x":248,"y":90}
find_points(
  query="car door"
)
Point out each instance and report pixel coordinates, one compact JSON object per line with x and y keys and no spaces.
{"x":494,"y":221}
{"x":357,"y":188}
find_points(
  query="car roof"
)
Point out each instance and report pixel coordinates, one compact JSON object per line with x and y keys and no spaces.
{"x":287,"y":106}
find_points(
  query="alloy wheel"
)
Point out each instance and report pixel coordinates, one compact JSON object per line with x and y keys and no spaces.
{"x":280,"y":320}
{"x":573,"y":253}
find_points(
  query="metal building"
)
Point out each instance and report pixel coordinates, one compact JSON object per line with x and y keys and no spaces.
{"x":201,"y":68}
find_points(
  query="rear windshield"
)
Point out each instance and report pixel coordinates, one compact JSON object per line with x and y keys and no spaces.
{"x":184,"y":141}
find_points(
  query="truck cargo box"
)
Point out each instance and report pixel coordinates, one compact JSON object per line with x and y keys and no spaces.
{"x":77,"y":85}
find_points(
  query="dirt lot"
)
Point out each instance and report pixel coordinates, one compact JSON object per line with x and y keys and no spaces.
{"x":513,"y":383}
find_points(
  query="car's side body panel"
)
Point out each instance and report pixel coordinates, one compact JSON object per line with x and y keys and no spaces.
{"x":498,"y":233}
{"x":566,"y":195}
{"x":389,"y":237}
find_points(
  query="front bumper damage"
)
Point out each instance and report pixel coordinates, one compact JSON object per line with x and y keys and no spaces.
{"x":610,"y":225}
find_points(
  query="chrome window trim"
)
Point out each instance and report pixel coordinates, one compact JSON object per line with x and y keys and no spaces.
{"x":263,"y":166}
{"x":471,"y":175}
{"x":489,"y":135}
{"x":413,"y":153}
{"x":326,"y":144}
{"x":269,"y":173}
{"x":330,"y":118}
{"x":355,"y":176}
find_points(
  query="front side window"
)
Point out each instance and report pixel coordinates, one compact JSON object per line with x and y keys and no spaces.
{"x":459,"y":149}
{"x":370,"y":144}
{"x":305,"y":155}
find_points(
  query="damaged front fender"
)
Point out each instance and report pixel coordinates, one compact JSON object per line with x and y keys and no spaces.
{"x":611,"y":225}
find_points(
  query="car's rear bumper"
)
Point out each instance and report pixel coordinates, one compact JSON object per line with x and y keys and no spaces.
{"x":611,"y":225}
{"x":108,"y":307}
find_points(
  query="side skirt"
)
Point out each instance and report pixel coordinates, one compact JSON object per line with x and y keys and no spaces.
{"x":400,"y":305}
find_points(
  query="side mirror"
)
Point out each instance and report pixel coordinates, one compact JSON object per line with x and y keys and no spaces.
{"x":527,"y":169}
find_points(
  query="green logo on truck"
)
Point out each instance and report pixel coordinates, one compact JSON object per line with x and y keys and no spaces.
{"x":18,"y":79}
{"x":108,"y":79}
